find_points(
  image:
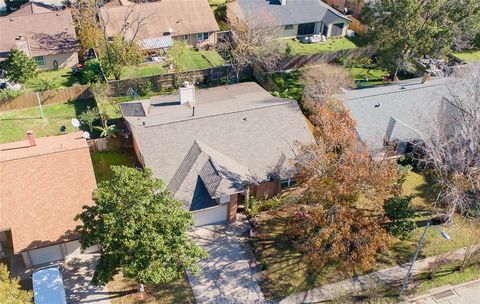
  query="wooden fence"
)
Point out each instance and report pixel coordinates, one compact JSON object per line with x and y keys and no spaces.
{"x":264,"y":79}
{"x":297,"y":62}
{"x":27,"y":100}
{"x":358,"y":27}
{"x":207,"y":76}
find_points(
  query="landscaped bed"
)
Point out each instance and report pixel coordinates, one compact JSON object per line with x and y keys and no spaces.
{"x":14,"y":124}
{"x":287,"y":272}
{"x":124,"y":291}
{"x":331,"y":45}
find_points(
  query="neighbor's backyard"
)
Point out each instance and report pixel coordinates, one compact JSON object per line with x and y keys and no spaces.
{"x":331,"y":45}
{"x":469,"y":56}
{"x":286,"y":271}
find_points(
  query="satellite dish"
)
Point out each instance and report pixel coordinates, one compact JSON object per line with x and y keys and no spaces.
{"x":86,"y":135}
{"x":75,"y":123}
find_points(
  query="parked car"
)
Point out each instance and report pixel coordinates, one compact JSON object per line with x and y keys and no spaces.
{"x":312,"y":39}
{"x":48,"y":286}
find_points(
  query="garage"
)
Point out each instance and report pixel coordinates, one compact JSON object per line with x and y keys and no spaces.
{"x":43,"y":255}
{"x":212,"y":215}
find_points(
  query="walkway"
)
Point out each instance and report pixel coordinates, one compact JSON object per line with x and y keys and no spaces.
{"x":225,"y":276}
{"x":386,"y":276}
{"x":467,"y":293}
{"x":77,"y":276}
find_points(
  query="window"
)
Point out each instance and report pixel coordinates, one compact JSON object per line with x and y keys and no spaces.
{"x":202,"y":36}
{"x":40,"y":60}
{"x":287,"y":183}
{"x":289,"y":27}
{"x":185,"y":37}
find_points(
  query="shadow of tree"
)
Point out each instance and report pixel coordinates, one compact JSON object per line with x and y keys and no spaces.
{"x":60,"y":43}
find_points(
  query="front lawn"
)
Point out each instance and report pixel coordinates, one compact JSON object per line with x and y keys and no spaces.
{"x":195,"y":60}
{"x":14,"y":124}
{"x":286,"y":271}
{"x":469,"y":56}
{"x":331,"y":45}
{"x":60,"y":78}
{"x":103,"y":160}
{"x":123,"y":291}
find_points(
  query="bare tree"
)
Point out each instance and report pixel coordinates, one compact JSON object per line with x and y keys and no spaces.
{"x":452,"y":143}
{"x":253,"y":42}
{"x":472,"y":252}
{"x":321,"y":82}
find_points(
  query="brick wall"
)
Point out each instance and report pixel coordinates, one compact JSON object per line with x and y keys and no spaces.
{"x":232,"y":208}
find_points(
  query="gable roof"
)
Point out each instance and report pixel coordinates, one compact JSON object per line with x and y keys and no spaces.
{"x":182,"y":16}
{"x":43,"y":188}
{"x":44,"y":32}
{"x":387,"y":113}
{"x":294,"y":12}
{"x":240,"y":134}
{"x":30,"y":8}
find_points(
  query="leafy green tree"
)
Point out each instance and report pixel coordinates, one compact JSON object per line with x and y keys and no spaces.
{"x":19,"y":67}
{"x":89,"y":116}
{"x":140,"y":228}
{"x":119,"y":54}
{"x":399,"y":212}
{"x":404,"y":29}
{"x":10,"y":292}
{"x":105,"y":128}
{"x":92,"y":71}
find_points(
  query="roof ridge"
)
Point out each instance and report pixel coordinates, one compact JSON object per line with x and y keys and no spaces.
{"x":182,"y":171}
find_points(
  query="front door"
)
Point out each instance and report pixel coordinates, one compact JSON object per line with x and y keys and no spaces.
{"x":306,"y":29}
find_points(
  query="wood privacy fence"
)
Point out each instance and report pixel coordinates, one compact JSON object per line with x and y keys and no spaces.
{"x":264,"y":79}
{"x":358,"y":27}
{"x":98,"y":144}
{"x":297,"y":62}
{"x":27,"y":100}
{"x":207,"y":76}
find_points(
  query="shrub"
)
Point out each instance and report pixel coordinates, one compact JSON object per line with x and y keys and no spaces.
{"x":92,"y":71}
{"x":7,"y":94}
{"x":42,"y":85}
{"x":399,"y":212}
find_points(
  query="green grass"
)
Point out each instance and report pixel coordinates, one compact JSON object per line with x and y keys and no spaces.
{"x":289,"y":84}
{"x":14,"y":124}
{"x":123,"y":291}
{"x":374,"y":75}
{"x":215,"y":3}
{"x":469,"y":56}
{"x":142,"y":71}
{"x":193,"y":60}
{"x":103,"y":160}
{"x":60,"y":78}
{"x":287,"y":271}
{"x":331,"y":45}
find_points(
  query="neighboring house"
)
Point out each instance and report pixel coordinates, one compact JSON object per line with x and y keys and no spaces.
{"x":45,"y":183}
{"x":293,"y":18}
{"x":398,"y":113}
{"x":46,"y":35}
{"x":191,"y":21}
{"x":58,"y":3}
{"x":235,"y":141}
{"x":354,"y":7}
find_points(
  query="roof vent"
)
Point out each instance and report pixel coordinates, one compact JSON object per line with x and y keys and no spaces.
{"x":283,"y":2}
{"x":377,"y":105}
{"x":19,"y":37}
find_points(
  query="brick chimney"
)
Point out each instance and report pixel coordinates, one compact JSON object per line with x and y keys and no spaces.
{"x":31,"y":138}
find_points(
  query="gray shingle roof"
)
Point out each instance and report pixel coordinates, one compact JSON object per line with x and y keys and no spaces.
{"x":294,"y":12}
{"x":240,"y":132}
{"x":396,"y":111}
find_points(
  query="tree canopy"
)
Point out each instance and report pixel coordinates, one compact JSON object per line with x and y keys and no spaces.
{"x":140,"y":228}
{"x":10,"y":292}
{"x":19,"y":67}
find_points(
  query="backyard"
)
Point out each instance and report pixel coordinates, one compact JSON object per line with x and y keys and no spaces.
{"x":123,"y":291}
{"x":60,"y":78}
{"x":103,"y":160}
{"x":331,"y":45}
{"x":469,"y":56}
{"x":14,"y":124}
{"x":286,"y":272}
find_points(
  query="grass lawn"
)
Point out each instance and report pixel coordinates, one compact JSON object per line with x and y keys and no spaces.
{"x":215,"y":3}
{"x":375,"y":76}
{"x":193,"y":60}
{"x":338,"y":44}
{"x":286,"y":271}
{"x":289,"y":83}
{"x":60,"y":78}
{"x":469,"y":56}
{"x":14,"y":124}
{"x":141,"y":71}
{"x":103,"y":160}
{"x":123,"y":291}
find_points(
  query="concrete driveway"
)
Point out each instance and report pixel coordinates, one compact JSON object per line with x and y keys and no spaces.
{"x":225,"y":276}
{"x":77,"y":275}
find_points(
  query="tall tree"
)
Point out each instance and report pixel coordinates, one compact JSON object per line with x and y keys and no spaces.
{"x":120,"y":53}
{"x":10,"y":292}
{"x":140,"y":228}
{"x":19,"y":67}
{"x":403,"y":29}
{"x":344,"y":193}
{"x":89,"y":32}
{"x":452,"y":143}
{"x":465,"y":23}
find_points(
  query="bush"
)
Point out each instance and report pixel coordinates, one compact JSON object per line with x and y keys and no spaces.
{"x":8,"y":94}
{"x":399,"y":212}
{"x":42,"y":85}
{"x":92,"y":71}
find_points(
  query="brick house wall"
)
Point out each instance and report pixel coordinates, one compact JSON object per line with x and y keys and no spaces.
{"x":232,"y":208}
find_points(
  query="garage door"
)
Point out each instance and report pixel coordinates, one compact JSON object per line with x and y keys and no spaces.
{"x":211,"y":215}
{"x":45,"y":255}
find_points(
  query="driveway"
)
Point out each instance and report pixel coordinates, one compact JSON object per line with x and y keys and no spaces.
{"x":225,"y":276}
{"x":77,"y":276}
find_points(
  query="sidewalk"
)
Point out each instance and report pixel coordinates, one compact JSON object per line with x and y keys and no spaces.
{"x":386,"y":276}
{"x":466,"y":293}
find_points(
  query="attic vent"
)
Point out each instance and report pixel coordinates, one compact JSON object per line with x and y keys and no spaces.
{"x":19,"y":37}
{"x":11,"y":19}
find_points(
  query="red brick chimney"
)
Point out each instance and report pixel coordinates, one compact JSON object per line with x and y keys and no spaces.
{"x":31,"y":138}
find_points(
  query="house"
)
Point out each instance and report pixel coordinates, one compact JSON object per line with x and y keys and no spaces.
{"x":397,"y":114}
{"x":215,"y":146}
{"x":293,"y":18}
{"x":45,"y":183}
{"x":57,"y":3}
{"x":191,"y":21}
{"x":46,"y":35}
{"x":353,"y":7}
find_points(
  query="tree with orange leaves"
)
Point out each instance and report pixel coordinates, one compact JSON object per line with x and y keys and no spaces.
{"x":344,"y":194}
